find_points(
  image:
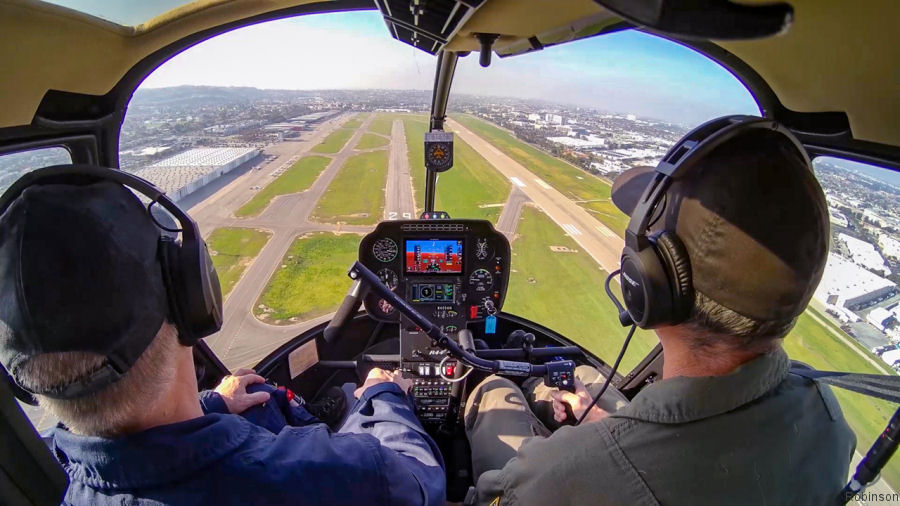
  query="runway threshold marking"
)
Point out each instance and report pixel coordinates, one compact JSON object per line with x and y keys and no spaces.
{"x":571,"y":229}
{"x":518,"y":182}
{"x":605,"y":231}
{"x":542,"y":183}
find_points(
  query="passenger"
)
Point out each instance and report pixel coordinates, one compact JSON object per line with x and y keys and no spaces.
{"x":727,"y":423}
{"x":79,"y":275}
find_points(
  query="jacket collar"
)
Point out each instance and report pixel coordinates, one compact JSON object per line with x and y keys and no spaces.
{"x":152,"y":457}
{"x":683,"y":399}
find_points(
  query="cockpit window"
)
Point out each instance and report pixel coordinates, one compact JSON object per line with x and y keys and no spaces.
{"x":15,"y":165}
{"x":548,"y":133}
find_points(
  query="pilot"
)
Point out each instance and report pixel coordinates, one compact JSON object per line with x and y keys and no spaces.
{"x":727,"y":423}
{"x":79,"y":269}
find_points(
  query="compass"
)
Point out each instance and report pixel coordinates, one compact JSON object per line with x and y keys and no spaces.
{"x":438,"y":151}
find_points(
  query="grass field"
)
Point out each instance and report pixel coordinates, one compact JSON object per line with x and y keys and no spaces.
{"x":335,"y":141}
{"x":369,"y":141}
{"x":382,"y":124}
{"x":356,"y":121}
{"x":299,"y":177}
{"x":232,"y":250}
{"x":356,"y":196}
{"x":590,"y":192}
{"x":564,"y":291}
{"x":313,"y":280}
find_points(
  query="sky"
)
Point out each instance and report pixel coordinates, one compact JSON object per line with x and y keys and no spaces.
{"x":627,"y":72}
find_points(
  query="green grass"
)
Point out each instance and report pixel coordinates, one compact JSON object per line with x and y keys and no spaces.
{"x":382,"y":124}
{"x":369,"y":141}
{"x":335,"y":141}
{"x":313,"y":280}
{"x":356,"y":121}
{"x":564,"y":291}
{"x":299,"y":177}
{"x":816,"y":345}
{"x":462,"y":190}
{"x":591,"y":192}
{"x":356,"y":196}
{"x":232,"y":250}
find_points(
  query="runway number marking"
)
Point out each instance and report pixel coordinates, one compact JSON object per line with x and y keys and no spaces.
{"x":571,"y":229}
{"x":392,"y":215}
{"x":518,"y":182}
{"x":543,"y":184}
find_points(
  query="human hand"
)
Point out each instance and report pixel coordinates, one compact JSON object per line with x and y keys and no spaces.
{"x":233,"y":390}
{"x":579,"y":401}
{"x":377,"y":376}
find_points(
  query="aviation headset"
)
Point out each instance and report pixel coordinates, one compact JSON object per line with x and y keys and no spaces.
{"x":192,"y":285}
{"x":655,"y":268}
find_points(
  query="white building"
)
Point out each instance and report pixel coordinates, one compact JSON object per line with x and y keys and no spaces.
{"x":881,"y":319}
{"x":837,"y":218}
{"x":846,"y":284}
{"x":889,"y":246}
{"x":576,"y":143}
{"x":184,"y":173}
{"x":534,"y":117}
{"x":553,"y":119}
{"x":865,"y":254}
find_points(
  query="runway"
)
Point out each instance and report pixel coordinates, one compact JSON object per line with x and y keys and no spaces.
{"x":604,"y":246}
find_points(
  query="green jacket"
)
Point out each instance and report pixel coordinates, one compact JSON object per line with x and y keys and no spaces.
{"x":757,"y":436}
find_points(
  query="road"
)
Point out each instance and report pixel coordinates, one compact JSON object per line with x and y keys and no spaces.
{"x":604,"y":246}
{"x":512,"y":211}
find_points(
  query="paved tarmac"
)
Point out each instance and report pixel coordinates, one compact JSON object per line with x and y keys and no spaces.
{"x":604,"y":246}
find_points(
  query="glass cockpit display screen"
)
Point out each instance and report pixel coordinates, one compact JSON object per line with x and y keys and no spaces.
{"x":433,"y":256}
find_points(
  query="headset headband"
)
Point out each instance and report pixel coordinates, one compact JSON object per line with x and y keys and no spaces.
{"x":682,"y":158}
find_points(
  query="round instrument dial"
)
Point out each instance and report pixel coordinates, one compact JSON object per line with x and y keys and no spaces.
{"x":388,"y":277}
{"x":385,"y":249}
{"x":437,"y":156}
{"x":481,"y":280}
{"x":482,"y":248}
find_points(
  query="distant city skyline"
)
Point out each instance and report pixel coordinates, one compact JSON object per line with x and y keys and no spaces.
{"x":627,"y":72}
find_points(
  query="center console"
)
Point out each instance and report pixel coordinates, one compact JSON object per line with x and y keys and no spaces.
{"x":455,"y":272}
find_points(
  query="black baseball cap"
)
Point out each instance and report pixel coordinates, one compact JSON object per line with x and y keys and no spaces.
{"x":79,"y":271}
{"x":753,"y":220}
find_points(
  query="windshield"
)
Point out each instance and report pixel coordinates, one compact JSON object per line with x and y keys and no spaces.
{"x":287,"y":156}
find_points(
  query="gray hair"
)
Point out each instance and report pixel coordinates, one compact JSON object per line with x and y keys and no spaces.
{"x":716,"y":326}
{"x":109,"y":412}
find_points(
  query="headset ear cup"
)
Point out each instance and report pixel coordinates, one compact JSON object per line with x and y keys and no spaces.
{"x":169,"y":262}
{"x":678,"y":263}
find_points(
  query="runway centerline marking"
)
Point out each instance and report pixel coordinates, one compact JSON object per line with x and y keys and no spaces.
{"x":518,"y":182}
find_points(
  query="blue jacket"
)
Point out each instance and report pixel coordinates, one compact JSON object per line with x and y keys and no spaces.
{"x":381,"y":455}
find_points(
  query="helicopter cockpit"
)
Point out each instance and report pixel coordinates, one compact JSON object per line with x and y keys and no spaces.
{"x":426,"y":293}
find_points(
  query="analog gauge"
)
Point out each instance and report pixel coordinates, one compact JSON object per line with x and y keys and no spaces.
{"x":481,"y":280}
{"x":385,"y":307}
{"x":482,"y":248}
{"x":385,"y":249}
{"x":450,"y":328}
{"x":388,"y":277}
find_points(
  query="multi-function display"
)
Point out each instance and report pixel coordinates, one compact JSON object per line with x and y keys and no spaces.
{"x":434,"y":256}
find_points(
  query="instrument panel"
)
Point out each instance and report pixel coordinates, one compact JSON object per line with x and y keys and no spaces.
{"x":447,"y":269}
